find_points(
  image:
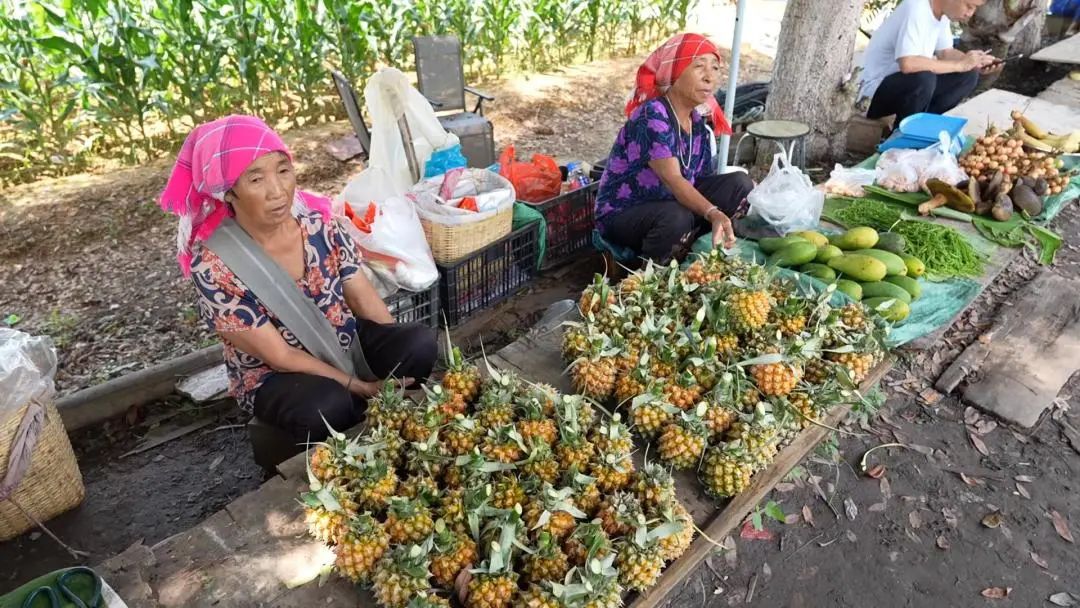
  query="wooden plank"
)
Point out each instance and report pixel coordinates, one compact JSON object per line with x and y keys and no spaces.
{"x":739,"y":507}
{"x":1034,"y":350}
{"x":1064,"y":51}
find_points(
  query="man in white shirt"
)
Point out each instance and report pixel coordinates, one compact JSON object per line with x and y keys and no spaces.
{"x":911,"y":66}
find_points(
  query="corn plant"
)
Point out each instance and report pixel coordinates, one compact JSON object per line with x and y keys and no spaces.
{"x":250,"y":52}
{"x":193,"y":57}
{"x":302,"y":40}
{"x":461,"y":21}
{"x":390,"y":24}
{"x":354,"y":49}
{"x":499,"y":20}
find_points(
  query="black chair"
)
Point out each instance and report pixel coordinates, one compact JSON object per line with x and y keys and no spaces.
{"x":352,"y":109}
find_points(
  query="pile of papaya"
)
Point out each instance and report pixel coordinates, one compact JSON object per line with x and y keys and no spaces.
{"x":867,"y":266}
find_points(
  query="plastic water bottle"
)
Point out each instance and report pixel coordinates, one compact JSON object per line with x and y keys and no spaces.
{"x":576,"y":176}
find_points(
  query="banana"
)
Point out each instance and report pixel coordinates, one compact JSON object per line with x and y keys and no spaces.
{"x":1068,"y":143}
{"x":1036,"y":144}
{"x":1029,"y":125}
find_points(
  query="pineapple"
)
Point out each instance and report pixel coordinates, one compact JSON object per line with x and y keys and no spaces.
{"x":425,"y":419}
{"x":507,"y":491}
{"x":327,"y":510}
{"x":380,"y":442}
{"x":600,"y":581}
{"x":798,"y":414}
{"x":708,"y":268}
{"x":419,"y":485}
{"x":505,"y":384}
{"x":447,"y":403}
{"x":376,"y":485}
{"x":596,"y":297}
{"x":461,"y":435}
{"x":653,"y":485}
{"x":680,"y":533}
{"x":462,"y":379}
{"x":428,"y":457}
{"x":469,"y":470}
{"x":456,"y":506}
{"x":503,"y":444}
{"x":757,"y":434}
{"x":408,"y":520}
{"x":683,"y":392}
{"x":544,"y":394}
{"x":858,"y":365}
{"x":854,"y":317}
{"x":363,"y":544}
{"x":537,"y":596}
{"x":612,"y":435}
{"x":682,"y":441}
{"x":327,"y":461}
{"x":494,"y":583}
{"x":586,"y":493}
{"x":619,"y":513}
{"x":540,"y":463}
{"x":586,"y":542}
{"x":750,"y":309}
{"x":705,"y":364}
{"x":552,"y":512}
{"x":633,"y":381}
{"x":818,"y":371}
{"x":535,"y":423}
{"x":790,"y":316}
{"x":649,"y":413}
{"x":424,"y":600}
{"x":401,"y":574}
{"x":594,"y":374}
{"x":666,"y":362}
{"x":640,"y":559}
{"x":573,"y":448}
{"x":389,"y":407}
{"x":454,"y":552}
{"x":726,"y":470}
{"x":727,"y":346}
{"x":575,"y":342}
{"x":496,"y":404}
{"x":719,"y":418}
{"x":547,"y":562}
{"x":776,"y":379}
{"x":612,"y":471}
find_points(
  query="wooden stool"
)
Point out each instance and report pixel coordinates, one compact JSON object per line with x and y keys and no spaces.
{"x":788,"y":134}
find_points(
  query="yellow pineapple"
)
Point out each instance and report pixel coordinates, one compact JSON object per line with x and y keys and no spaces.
{"x":507,"y":491}
{"x":679,"y":534}
{"x":575,"y":342}
{"x":653,"y":485}
{"x":424,"y":419}
{"x":750,"y":309}
{"x":683,"y":391}
{"x":461,"y":435}
{"x":534,"y":422}
{"x":596,"y":297}
{"x":586,"y":542}
{"x":327,"y":509}
{"x":454,"y":552}
{"x":790,"y":316}
{"x":594,"y":374}
{"x":495,"y":406}
{"x":649,"y":413}
{"x":494,"y":583}
{"x":858,"y":365}
{"x":503,"y":444}
{"x":401,"y":574}
{"x":540,"y":463}
{"x":389,"y":407}
{"x":363,"y":544}
{"x":726,"y":470}
{"x":425,"y":600}
{"x":375,"y":485}
{"x":547,"y":562}
{"x":552,"y":511}
{"x":612,"y":471}
{"x":586,"y":494}
{"x":537,"y":596}
{"x":776,"y":379}
{"x":408,"y":520}
{"x":633,"y":381}
{"x":573,"y":447}
{"x":757,"y":434}
{"x":719,"y":418}
{"x":854,"y":317}
{"x":683,"y":440}
{"x":613,"y":436}
{"x":818,"y":371}
{"x":619,"y":514}
{"x":462,"y":379}
{"x":639,"y":560}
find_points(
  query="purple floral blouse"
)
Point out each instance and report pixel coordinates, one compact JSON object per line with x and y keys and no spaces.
{"x":649,"y":134}
{"x":226,"y":304}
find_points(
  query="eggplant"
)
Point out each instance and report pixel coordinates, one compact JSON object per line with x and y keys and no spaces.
{"x":1003,"y":208}
{"x":1025,"y":198}
{"x":1041,"y":187}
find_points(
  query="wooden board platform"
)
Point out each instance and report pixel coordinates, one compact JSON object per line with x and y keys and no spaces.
{"x":1064,"y":51}
{"x":995,"y":106}
{"x":536,"y":355}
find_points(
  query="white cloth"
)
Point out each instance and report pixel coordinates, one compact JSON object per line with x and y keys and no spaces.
{"x":911,"y":30}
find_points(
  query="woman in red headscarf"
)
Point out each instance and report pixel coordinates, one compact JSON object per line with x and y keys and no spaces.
{"x":659,"y":191}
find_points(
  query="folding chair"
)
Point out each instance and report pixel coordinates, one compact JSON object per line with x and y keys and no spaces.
{"x":352,"y":109}
{"x":441,"y":79}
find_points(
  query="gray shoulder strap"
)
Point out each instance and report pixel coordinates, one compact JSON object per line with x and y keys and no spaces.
{"x":279,"y":294}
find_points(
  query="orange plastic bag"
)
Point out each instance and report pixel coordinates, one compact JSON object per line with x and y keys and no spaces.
{"x":535,"y":181}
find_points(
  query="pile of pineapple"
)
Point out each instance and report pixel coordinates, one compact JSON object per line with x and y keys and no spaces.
{"x":518,"y":494}
{"x":719,"y":365}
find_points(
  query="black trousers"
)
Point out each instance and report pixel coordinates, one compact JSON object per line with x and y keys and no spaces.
{"x":906,"y":94}
{"x":665,"y":230}
{"x":298,"y":403}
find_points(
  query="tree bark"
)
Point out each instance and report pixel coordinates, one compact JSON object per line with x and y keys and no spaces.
{"x":812,"y":78}
{"x":1030,"y":38}
{"x":1005,"y":27}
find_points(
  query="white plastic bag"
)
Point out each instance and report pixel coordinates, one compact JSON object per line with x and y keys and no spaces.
{"x":27,"y":367}
{"x":906,"y":170}
{"x":786,"y":199}
{"x":849,"y":182}
{"x":388,"y":96}
{"x":393,"y":245}
{"x":439,"y":198}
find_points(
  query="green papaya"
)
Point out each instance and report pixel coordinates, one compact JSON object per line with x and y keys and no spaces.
{"x":851,"y":288}
{"x":890,"y":309}
{"x":819,"y":271}
{"x":909,"y":285}
{"x":856,"y":238}
{"x":827,"y":253}
{"x":813,"y":236}
{"x":894,"y":264}
{"x":772,"y":244}
{"x":859,"y":267}
{"x":891,"y":242}
{"x":915,"y":266}
{"x":795,"y":254}
{"x":882,"y":289}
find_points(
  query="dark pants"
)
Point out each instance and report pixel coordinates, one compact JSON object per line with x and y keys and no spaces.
{"x":665,"y":230}
{"x":298,"y":403}
{"x":906,"y":94}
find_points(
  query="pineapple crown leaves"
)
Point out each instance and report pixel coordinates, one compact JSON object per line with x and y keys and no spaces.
{"x":766,"y":359}
{"x":364,"y":524}
{"x":444,"y":539}
{"x":423,"y":600}
{"x":413,"y":560}
{"x":404,"y":508}
{"x":475,"y":464}
{"x":577,"y":479}
{"x":507,"y":434}
{"x":554,"y":501}
{"x":463,"y":422}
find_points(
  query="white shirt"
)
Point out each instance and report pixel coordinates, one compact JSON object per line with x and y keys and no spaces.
{"x":911,"y":30}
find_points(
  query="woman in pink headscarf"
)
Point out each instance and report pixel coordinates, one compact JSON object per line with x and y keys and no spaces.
{"x":238,"y":167}
{"x":659,"y":190}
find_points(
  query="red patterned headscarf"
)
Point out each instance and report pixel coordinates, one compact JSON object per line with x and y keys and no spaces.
{"x":212,"y":158}
{"x":664,"y":66}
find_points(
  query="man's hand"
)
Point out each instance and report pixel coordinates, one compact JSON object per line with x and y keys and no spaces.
{"x":722,"y":231}
{"x":976,"y":60}
{"x":993,"y":68}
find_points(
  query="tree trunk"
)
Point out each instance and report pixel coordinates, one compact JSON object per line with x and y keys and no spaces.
{"x":812,"y":80}
{"x":1030,"y":38}
{"x":998,"y":25}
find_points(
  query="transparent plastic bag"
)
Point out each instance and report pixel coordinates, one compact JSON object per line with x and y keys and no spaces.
{"x":785,"y":200}
{"x":27,"y":368}
{"x":440,"y":199}
{"x":849,"y":182}
{"x":907,"y":170}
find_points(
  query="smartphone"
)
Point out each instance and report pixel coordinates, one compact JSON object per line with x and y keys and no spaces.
{"x":1007,"y":59}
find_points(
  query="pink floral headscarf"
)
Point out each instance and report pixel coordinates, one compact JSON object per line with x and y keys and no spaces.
{"x":212,"y":158}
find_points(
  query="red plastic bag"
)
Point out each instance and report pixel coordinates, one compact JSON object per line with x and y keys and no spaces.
{"x":534,"y":181}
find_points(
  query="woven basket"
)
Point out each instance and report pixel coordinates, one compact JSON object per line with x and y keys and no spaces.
{"x":452,"y":241}
{"x":52,"y":483}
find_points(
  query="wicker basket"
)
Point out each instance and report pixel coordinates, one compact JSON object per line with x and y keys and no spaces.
{"x":52,"y":483}
{"x":452,"y":241}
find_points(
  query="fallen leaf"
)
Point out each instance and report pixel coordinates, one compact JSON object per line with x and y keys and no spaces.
{"x":886,"y":487}
{"x":915,"y":520}
{"x":985,"y":427}
{"x":1038,"y":559}
{"x":930,"y":396}
{"x":922,"y":449}
{"x":877,"y":507}
{"x":217,"y":461}
{"x":791,"y":518}
{"x":979,"y":445}
{"x":851,"y":510}
{"x":970,"y":415}
{"x":808,"y":515}
{"x":996,"y":593}
{"x":1062,"y":599}
{"x":1023,"y":491}
{"x":766,"y":571}
{"x":1022,"y":438}
{"x":1062,"y":526}
{"x":749,"y":532}
{"x":943,"y":543}
{"x":1024,"y":478}
{"x":876,"y":471}
{"x":851,"y":536}
{"x":784,"y":487}
{"x":951,"y":516}
{"x":971,"y":481}
{"x":992,"y":519}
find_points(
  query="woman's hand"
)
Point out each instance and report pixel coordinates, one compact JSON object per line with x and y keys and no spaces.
{"x":367,"y":390}
{"x":722,"y":232}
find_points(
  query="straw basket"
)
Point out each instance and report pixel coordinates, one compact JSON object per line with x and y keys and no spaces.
{"x":52,"y":483}
{"x":452,"y":241}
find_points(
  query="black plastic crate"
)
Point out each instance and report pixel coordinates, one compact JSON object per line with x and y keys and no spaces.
{"x":488,"y":276}
{"x":570,"y":222}
{"x":415,"y":306}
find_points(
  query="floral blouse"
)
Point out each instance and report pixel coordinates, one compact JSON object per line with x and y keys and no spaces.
{"x":331,"y":258}
{"x":649,"y":134}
